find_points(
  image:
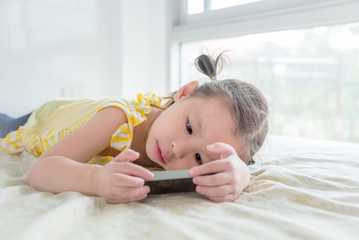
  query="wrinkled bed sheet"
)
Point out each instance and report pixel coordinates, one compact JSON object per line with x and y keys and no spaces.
{"x":300,"y":189}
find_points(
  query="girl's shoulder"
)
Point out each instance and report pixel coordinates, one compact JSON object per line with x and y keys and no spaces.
{"x":141,"y":101}
{"x":138,"y":105}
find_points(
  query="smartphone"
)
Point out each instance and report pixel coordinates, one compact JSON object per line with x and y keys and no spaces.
{"x":171,"y":181}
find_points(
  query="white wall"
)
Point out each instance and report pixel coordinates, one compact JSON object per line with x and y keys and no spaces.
{"x":79,"y":48}
{"x":144,"y":64}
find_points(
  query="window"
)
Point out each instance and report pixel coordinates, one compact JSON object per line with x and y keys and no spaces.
{"x":303,"y":54}
{"x":198,"y":6}
{"x":309,"y":76}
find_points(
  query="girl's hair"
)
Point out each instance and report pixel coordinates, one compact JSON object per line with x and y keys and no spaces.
{"x":246,"y":102}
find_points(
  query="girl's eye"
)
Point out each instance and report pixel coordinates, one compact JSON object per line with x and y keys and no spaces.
{"x":189,"y":128}
{"x":198,"y":158}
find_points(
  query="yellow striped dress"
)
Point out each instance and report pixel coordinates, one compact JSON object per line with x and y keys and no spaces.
{"x":56,"y":119}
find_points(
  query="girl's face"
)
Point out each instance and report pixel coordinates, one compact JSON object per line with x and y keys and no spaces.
{"x":179,"y":136}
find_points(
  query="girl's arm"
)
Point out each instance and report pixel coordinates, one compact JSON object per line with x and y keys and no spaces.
{"x":63,"y":167}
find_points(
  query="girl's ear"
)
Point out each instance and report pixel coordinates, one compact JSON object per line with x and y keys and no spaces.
{"x":185,"y":90}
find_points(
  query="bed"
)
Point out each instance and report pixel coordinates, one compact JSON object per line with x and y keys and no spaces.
{"x":299,"y":189}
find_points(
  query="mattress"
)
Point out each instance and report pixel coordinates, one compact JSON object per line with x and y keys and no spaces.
{"x":299,"y":189}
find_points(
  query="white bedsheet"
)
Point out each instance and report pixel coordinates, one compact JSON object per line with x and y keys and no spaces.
{"x":300,"y":189}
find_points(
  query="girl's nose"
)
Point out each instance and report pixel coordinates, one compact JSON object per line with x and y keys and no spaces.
{"x":177,"y":149}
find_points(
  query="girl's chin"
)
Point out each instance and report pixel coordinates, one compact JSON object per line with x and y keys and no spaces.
{"x":156,"y":165}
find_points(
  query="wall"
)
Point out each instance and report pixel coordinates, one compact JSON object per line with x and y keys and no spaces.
{"x":79,"y":49}
{"x":144,"y":46}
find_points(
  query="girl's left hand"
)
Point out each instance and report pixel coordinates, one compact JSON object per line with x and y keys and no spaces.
{"x":221,"y":180}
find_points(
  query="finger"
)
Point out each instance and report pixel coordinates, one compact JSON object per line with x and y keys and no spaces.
{"x":135,"y":199}
{"x":212,"y":180}
{"x":125,"y":195}
{"x":210,"y":168}
{"x":124,"y":180}
{"x":131,"y":169}
{"x":137,"y":171}
{"x":217,"y":191}
{"x":225,"y":150}
{"x":127,"y":155}
{"x":133,"y":194}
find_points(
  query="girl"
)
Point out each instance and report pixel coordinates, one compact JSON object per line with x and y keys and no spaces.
{"x":213,"y":129}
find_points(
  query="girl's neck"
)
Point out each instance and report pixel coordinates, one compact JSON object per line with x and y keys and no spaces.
{"x":140,"y":134}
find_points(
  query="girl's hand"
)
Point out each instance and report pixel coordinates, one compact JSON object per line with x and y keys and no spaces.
{"x":120,"y":181}
{"x":224,"y":179}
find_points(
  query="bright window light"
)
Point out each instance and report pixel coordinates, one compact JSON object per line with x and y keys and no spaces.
{"x":195,"y":6}
{"x":219,"y":4}
{"x":309,"y":76}
{"x":199,"y":6}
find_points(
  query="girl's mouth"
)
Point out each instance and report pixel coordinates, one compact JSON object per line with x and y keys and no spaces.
{"x":158,"y":153}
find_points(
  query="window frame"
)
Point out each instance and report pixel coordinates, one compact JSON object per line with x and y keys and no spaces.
{"x":183,"y":29}
{"x":279,"y":15}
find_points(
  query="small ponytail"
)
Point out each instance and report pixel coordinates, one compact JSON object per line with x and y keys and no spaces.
{"x":208,"y":66}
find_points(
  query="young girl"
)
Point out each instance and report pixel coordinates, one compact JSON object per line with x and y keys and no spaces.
{"x":213,"y":129}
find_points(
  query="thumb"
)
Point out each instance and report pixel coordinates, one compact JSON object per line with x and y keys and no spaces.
{"x":225,"y":150}
{"x":127,"y":155}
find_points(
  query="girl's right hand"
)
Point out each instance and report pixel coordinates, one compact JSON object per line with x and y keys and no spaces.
{"x":121,"y":181}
